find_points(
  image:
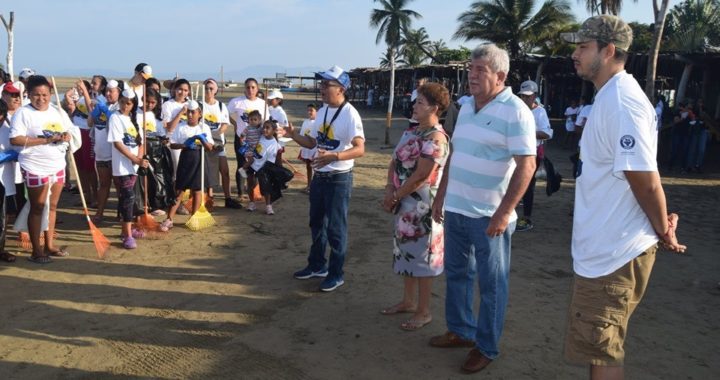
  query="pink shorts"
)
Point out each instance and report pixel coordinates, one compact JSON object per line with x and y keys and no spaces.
{"x":34,"y":180}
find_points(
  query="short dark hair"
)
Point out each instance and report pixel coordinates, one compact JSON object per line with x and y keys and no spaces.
{"x":255,"y":113}
{"x":313,"y":106}
{"x":3,"y":109}
{"x":620,"y":55}
{"x":37,"y":81}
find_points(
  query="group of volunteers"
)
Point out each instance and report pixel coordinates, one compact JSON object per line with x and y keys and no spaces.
{"x":453,"y":197}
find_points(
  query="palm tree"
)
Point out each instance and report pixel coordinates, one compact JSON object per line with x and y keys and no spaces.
{"x":603,"y":7}
{"x":385,"y":59}
{"x":692,"y":26}
{"x":659,"y":11}
{"x":391,"y":20}
{"x":511,"y":24}
{"x":436,"y":47}
{"x":418,"y":40}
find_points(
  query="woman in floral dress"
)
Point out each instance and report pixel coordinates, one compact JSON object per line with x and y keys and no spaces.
{"x":413,"y":176}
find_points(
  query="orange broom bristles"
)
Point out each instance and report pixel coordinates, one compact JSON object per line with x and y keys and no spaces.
{"x":102,"y":244}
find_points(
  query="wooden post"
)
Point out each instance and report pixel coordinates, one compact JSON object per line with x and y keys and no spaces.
{"x":9,"y":27}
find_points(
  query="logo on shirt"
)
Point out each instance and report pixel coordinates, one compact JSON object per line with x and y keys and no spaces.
{"x":627,"y":142}
{"x":51,"y":129}
{"x":150,"y":126}
{"x":212,"y":121}
{"x":130,"y":136}
{"x":326,"y":138}
{"x":258,"y":151}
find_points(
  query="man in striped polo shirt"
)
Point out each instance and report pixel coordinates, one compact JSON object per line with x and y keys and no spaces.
{"x":491,"y":163}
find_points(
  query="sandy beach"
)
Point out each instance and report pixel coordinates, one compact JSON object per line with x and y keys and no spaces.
{"x":222,"y":303}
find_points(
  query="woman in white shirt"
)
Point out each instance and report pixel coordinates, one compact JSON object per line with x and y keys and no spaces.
{"x":43,"y":134}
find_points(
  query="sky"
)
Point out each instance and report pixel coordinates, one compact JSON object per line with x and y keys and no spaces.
{"x":196,"y":38}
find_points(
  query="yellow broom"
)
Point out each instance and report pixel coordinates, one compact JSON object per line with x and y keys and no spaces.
{"x":201,"y":218}
{"x":102,"y":244}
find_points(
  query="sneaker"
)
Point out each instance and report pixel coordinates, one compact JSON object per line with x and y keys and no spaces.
{"x":166,"y":225}
{"x":138,"y":233}
{"x":269,"y":210}
{"x":251,"y":207}
{"x":210,"y":204}
{"x":129,"y":242}
{"x":182,"y":210}
{"x":330,"y":284}
{"x":158,"y":212}
{"x":242,"y":172}
{"x":231,"y":203}
{"x":308,"y":273}
{"x":524,"y":224}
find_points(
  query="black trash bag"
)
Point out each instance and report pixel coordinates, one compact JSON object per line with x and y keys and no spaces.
{"x":272,"y":179}
{"x":159,"y":176}
{"x":554,"y":179}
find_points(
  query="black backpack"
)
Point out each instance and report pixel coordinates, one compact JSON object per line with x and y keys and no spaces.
{"x":554,"y":179}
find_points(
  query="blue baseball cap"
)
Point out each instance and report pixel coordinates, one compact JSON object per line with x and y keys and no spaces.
{"x":335,"y":73}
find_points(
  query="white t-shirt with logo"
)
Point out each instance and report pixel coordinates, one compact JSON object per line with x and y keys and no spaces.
{"x":44,"y":159}
{"x":265,"y":150}
{"x":609,"y":227}
{"x":215,"y":118}
{"x":185,"y":131}
{"x":81,"y":114}
{"x":306,"y":130}
{"x":338,"y":136}
{"x":170,"y":109}
{"x":542,"y":123}
{"x":153,"y":126}
{"x":102,"y":148}
{"x":240,"y":107}
{"x":570,"y":120}
{"x":121,"y":129}
{"x":278,"y":114}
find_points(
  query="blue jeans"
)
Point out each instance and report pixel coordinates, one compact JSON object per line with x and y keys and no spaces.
{"x":329,"y":198}
{"x":696,"y":148}
{"x":471,"y":254}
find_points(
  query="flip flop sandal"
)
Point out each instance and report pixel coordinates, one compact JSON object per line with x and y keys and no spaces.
{"x":40,"y":259}
{"x":59,"y":253}
{"x":396,"y":310}
{"x":411,"y":325}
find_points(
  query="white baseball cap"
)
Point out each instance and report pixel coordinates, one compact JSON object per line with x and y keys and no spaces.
{"x":528,"y":88}
{"x":192,"y":105}
{"x":275,"y":94}
{"x":26,"y":73}
{"x":337,"y":74}
{"x":128,"y":93}
{"x":112,"y":83}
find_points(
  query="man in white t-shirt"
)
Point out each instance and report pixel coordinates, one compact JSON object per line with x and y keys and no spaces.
{"x":570,"y":116}
{"x":543,"y":131}
{"x":620,"y":209}
{"x":338,"y":135}
{"x":582,"y":116}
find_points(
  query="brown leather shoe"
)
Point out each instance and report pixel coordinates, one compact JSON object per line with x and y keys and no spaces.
{"x":475,"y":361}
{"x":450,"y":339}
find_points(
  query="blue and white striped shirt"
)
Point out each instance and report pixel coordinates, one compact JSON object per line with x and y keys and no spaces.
{"x":483,"y":146}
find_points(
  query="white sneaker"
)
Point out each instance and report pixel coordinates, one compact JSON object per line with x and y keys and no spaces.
{"x":251,"y":206}
{"x":242,"y":172}
{"x":269,"y":210}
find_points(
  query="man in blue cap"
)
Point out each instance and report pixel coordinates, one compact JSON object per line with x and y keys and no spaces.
{"x":338,"y":135}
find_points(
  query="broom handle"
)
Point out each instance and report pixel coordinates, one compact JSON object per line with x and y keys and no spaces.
{"x":72,"y":155}
{"x":202,"y":152}
{"x":144,"y":145}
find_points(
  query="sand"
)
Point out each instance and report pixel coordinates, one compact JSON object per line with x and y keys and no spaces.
{"x":222,"y":303}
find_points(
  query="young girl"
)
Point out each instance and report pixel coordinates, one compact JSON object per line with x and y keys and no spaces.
{"x":78,"y":103}
{"x":98,"y":121}
{"x":189,"y":137}
{"x":126,"y":137}
{"x":161,"y":189}
{"x":171,"y":116}
{"x":265,"y":151}
{"x":308,"y":154}
{"x":277,"y":113}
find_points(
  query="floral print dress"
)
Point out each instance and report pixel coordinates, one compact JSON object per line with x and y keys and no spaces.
{"x":418,"y":241}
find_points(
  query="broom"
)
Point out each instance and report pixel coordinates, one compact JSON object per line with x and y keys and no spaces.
{"x":201,"y":218}
{"x":102,"y":244}
{"x":145,"y":221}
{"x":187,"y":199}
